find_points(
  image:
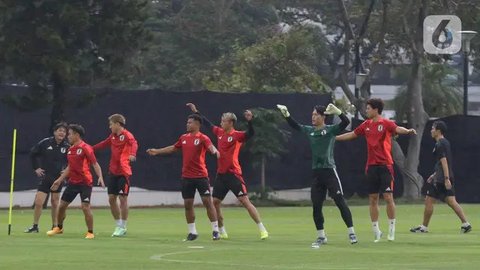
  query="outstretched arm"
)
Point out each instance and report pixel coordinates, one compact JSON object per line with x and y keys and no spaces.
{"x":333,"y":110}
{"x":284,"y":110}
{"x":250,"y":131}
{"x":347,"y":136}
{"x":207,"y":122}
{"x":404,"y":131}
{"x":162,"y":151}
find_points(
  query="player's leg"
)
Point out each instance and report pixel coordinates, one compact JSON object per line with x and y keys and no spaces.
{"x":317,"y":196}
{"x":61,"y":214}
{"x":188,"y":195}
{"x":373,"y":187}
{"x":387,"y":185}
{"x":40,"y":197}
{"x":336,"y":192}
{"x":120,"y":189}
{"x":219,"y":193}
{"x":112,"y":190}
{"x":54,"y":201}
{"x":452,"y":202}
{"x":85,"y":196}
{"x":203,"y":188}
{"x":430,"y":198}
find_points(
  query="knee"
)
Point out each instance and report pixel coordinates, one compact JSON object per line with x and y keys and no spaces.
{"x":112,"y":199}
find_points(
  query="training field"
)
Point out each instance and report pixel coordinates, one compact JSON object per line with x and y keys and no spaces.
{"x":154,"y":241}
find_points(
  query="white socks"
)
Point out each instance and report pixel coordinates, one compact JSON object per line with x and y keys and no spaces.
{"x":121,"y":223}
{"x":191,"y":228}
{"x":215,"y":226}
{"x":375,"y":227}
{"x":261,"y":227}
{"x":391,"y":225}
{"x":351,"y":230}
{"x":222,"y":230}
{"x":321,"y":233}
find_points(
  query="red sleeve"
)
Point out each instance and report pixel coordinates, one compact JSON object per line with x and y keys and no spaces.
{"x":391,"y":126}
{"x":90,"y":155}
{"x":241,"y":136}
{"x":206,"y":141}
{"x":178,"y":144}
{"x":133,"y":145}
{"x":216,"y":130}
{"x":103,"y":144}
{"x":360,"y":130}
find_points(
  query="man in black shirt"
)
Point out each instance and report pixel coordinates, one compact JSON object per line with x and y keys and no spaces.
{"x":440,"y":185}
{"x":49,"y":158}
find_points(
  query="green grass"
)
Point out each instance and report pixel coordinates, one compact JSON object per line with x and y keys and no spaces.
{"x":154,"y":242}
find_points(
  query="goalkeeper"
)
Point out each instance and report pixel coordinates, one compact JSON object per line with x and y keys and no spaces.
{"x":325,"y":177}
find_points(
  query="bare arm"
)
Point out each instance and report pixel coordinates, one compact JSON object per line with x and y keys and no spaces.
{"x":162,"y":151}
{"x":98,"y":172}
{"x":404,"y":131}
{"x":444,"y":163}
{"x":60,"y":179}
{"x":347,"y":136}
{"x":214,"y":151}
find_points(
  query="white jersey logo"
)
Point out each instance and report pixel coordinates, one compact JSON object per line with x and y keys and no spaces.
{"x":122,"y":138}
{"x":184,"y":142}
{"x":63,"y":150}
{"x":380,"y":128}
{"x":388,"y":189}
{"x":79,"y":151}
{"x":323,"y":132}
{"x":240,"y":193}
{"x":230,"y":139}
{"x":196,"y":142}
{"x":207,"y":192}
{"x":50,"y":148}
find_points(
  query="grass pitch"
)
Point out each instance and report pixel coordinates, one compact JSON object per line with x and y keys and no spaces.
{"x":154,"y":241}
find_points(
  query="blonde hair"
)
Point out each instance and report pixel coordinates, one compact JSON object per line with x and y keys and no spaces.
{"x":230,"y":116}
{"x":117,"y":118}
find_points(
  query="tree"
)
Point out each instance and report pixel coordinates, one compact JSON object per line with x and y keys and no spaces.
{"x":52,"y":45}
{"x":282,"y":63}
{"x":269,"y":140}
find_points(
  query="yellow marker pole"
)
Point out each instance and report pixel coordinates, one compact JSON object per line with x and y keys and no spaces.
{"x":14,"y":149}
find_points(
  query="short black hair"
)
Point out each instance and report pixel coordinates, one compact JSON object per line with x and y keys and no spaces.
{"x":376,"y":103}
{"x":196,"y":117}
{"x":77,"y":129}
{"x":440,"y":125}
{"x":60,"y":125}
{"x":320,"y":109}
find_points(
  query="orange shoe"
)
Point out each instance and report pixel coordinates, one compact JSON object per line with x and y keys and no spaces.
{"x":54,"y":231}
{"x":89,"y":235}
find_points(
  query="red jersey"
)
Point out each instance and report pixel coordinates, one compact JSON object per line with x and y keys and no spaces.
{"x":229,"y":145}
{"x":122,"y":146}
{"x":80,"y":157}
{"x":379,"y":140}
{"x":193,"y":148}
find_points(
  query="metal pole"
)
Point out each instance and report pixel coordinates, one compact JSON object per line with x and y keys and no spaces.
{"x":465,"y":82}
{"x":357,"y":71}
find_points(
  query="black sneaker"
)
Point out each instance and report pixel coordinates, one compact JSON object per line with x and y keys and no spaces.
{"x":353,"y":238}
{"x":320,"y":241}
{"x":466,"y":229}
{"x":215,"y":236}
{"x":32,"y":229}
{"x":191,"y":237}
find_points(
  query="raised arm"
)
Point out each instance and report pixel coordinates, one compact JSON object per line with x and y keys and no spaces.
{"x":250,"y":131}
{"x":284,"y":110}
{"x":333,"y":110}
{"x":206,"y":122}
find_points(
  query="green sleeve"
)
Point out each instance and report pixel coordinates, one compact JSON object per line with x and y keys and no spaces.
{"x":306,"y":129}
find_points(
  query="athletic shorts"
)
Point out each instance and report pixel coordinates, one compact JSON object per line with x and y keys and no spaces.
{"x":325,"y":180}
{"x":438,"y":190}
{"x":380,"y":179}
{"x":226,"y":182}
{"x":71,"y":192}
{"x":119,"y":185}
{"x":190,"y":185}
{"x":45,"y":183}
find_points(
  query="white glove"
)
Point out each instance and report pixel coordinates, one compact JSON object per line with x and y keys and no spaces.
{"x":332,"y":109}
{"x":284,"y":110}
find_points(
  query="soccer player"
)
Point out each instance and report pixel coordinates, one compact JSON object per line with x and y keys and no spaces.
{"x":80,"y":156}
{"x":49,"y":158}
{"x":124,"y":150}
{"x":194,"y":145}
{"x":229,"y":173}
{"x":325,"y":177}
{"x":379,"y":170}
{"x":440,"y":185}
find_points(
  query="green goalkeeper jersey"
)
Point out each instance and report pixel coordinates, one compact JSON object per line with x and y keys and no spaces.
{"x":322,"y":143}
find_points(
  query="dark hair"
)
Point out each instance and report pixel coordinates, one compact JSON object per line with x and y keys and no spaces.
{"x":320,"y":109}
{"x":440,"y":125}
{"x":376,"y":103}
{"x":77,"y":129}
{"x":60,"y":125}
{"x":195,"y":117}
{"x":117,"y":118}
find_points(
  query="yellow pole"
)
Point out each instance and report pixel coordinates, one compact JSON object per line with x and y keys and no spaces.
{"x":12,"y":177}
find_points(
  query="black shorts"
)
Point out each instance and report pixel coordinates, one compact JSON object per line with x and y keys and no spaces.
{"x":226,"y":182}
{"x":71,"y":192}
{"x":45,"y":183}
{"x":119,"y":185}
{"x":190,"y":185}
{"x":438,"y":191}
{"x":380,"y":179}
{"x":325,"y":180}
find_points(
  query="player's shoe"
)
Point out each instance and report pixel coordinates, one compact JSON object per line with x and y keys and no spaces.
{"x":215,"y":236}
{"x":419,"y":229}
{"x":191,"y":237}
{"x":391,"y":235}
{"x":89,"y":235}
{"x":31,"y":230}
{"x":54,"y":231}
{"x":353,"y":238}
{"x":320,"y":241}
{"x":119,"y":232}
{"x":223,"y":235}
{"x":377,"y":236}
{"x":466,"y":229}
{"x":263,"y":235}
